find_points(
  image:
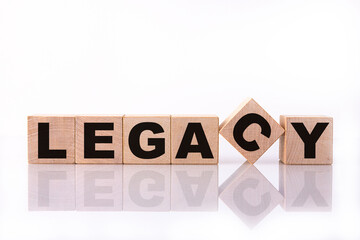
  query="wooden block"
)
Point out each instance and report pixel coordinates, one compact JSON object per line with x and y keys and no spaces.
{"x":99,"y":139}
{"x":249,"y":194}
{"x":194,"y":187}
{"x":51,"y":139}
{"x":194,"y":139}
{"x":251,"y":130}
{"x":146,"y":139}
{"x":98,"y":187}
{"x":307,"y":140}
{"x":306,"y":187}
{"x":146,"y":188}
{"x":51,"y":187}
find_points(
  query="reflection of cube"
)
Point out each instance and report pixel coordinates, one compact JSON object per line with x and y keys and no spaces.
{"x":51,"y":139}
{"x":194,"y":139}
{"x":306,"y":187}
{"x":51,"y":187}
{"x":249,"y":194}
{"x":307,"y":140}
{"x":146,"y":188}
{"x":99,"y":139}
{"x":146,"y":139}
{"x":251,"y":130}
{"x":99,"y":187}
{"x":194,"y":188}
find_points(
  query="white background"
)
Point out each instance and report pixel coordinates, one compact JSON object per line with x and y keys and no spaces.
{"x":191,"y":56}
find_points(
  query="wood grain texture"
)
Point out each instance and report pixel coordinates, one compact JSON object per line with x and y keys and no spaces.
{"x":252,"y":132}
{"x":128,"y":124}
{"x":61,"y":137}
{"x":116,"y":134}
{"x":210,"y":126}
{"x":292,"y":147}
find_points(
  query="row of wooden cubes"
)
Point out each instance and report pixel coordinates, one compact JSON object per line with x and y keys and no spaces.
{"x":128,"y":139}
{"x":178,"y":139}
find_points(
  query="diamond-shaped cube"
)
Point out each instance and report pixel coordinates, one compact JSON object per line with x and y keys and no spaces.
{"x":251,"y":130}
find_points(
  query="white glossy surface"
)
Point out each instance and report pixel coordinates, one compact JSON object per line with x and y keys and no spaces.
{"x":161,"y":57}
{"x":118,"y":201}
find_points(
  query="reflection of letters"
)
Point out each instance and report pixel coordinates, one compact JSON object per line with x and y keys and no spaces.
{"x":44,"y":185}
{"x":194,"y":187}
{"x":249,"y":194}
{"x":310,"y":190}
{"x":91,"y":189}
{"x":194,"y":198}
{"x":246,"y":207}
{"x":157,"y":185}
{"x":99,"y":187}
{"x":51,"y":187}
{"x":306,"y":187}
{"x":146,"y":188}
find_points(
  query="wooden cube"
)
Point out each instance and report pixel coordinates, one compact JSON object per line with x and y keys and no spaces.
{"x":306,"y":187}
{"x":249,"y":194}
{"x":194,"y":139}
{"x":251,"y":130}
{"x":98,"y":187}
{"x":307,"y":140}
{"x":51,"y":187}
{"x":146,"y":188}
{"x":51,"y":139}
{"x":99,"y":139}
{"x":146,"y":139}
{"x":194,"y":187}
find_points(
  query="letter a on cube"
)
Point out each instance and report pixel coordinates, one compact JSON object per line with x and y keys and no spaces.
{"x":251,"y":130}
{"x":194,"y":139}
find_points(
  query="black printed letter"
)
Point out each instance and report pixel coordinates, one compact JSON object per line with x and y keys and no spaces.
{"x":245,"y":122}
{"x":134,"y":140}
{"x":90,"y":139}
{"x":309,"y":139}
{"x":44,"y":144}
{"x":202,"y":146}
